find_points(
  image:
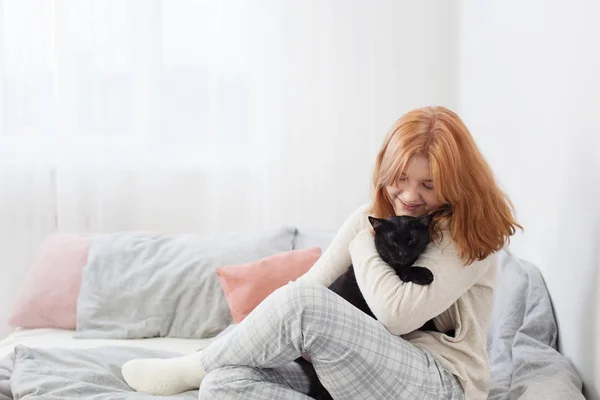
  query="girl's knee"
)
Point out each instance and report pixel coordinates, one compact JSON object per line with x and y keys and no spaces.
{"x":301,"y":289}
{"x":302,"y":294}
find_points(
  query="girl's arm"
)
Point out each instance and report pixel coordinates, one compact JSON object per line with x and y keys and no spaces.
{"x":336,"y":259}
{"x":404,"y":307}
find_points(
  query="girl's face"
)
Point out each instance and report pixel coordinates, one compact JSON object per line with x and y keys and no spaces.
{"x":414,"y":194}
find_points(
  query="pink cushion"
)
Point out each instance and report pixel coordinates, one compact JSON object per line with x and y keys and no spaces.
{"x":246,"y":285}
{"x":48,"y":299}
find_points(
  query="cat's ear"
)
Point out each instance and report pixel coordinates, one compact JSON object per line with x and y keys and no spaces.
{"x":377,"y":223}
{"x":426,"y":219}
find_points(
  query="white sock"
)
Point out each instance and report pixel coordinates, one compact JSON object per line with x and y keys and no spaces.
{"x":164,"y":376}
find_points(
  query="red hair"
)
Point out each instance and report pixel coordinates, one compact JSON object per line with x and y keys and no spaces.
{"x":480,"y":216}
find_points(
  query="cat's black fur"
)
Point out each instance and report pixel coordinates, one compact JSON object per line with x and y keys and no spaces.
{"x":399,"y":242}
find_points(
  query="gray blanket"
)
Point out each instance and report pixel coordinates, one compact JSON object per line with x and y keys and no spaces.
{"x":53,"y":374}
{"x":525,"y":364}
{"x":522,"y":341}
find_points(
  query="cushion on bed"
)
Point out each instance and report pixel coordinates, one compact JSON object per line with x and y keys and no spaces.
{"x":247,"y":285}
{"x":136,"y":286}
{"x":48,"y":298}
{"x":308,"y":238}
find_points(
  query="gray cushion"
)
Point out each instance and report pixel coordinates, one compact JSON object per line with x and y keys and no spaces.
{"x":137,"y":286}
{"x":313,"y":238}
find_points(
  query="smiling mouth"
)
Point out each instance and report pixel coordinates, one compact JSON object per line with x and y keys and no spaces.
{"x":410,"y":205}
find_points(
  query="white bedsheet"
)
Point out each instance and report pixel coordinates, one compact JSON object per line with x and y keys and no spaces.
{"x":46,"y":338}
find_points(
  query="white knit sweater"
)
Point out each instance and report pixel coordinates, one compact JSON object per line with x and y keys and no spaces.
{"x":460,"y":297}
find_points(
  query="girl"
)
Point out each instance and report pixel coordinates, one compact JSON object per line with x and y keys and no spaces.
{"x":427,"y":160}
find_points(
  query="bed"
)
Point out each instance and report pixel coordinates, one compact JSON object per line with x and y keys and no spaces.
{"x":48,"y":338}
{"x":53,"y":364}
{"x":85,"y":363}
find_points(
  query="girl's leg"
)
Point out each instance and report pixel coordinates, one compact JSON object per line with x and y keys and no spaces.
{"x":287,"y":383}
{"x":354,"y":355}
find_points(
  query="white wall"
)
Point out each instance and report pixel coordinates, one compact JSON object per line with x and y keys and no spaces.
{"x":326,"y":81}
{"x":529,"y":89}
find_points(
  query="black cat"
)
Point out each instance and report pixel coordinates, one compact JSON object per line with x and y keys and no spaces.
{"x":399,"y":240}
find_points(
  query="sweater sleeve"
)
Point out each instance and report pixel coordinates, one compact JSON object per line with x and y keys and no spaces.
{"x":404,"y":307}
{"x":336,"y":260}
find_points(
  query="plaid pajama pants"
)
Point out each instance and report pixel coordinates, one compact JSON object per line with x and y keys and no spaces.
{"x":354,"y":355}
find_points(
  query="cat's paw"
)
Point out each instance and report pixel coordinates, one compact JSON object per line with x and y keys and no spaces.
{"x":419,"y":275}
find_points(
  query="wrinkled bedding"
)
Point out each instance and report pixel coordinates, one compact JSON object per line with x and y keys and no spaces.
{"x":521,"y":346}
{"x":61,"y":373}
{"x":522,"y":340}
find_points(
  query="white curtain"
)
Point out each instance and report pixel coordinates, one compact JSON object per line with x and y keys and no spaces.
{"x":203,"y":116}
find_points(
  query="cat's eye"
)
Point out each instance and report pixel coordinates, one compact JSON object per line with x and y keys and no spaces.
{"x":412,"y":242}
